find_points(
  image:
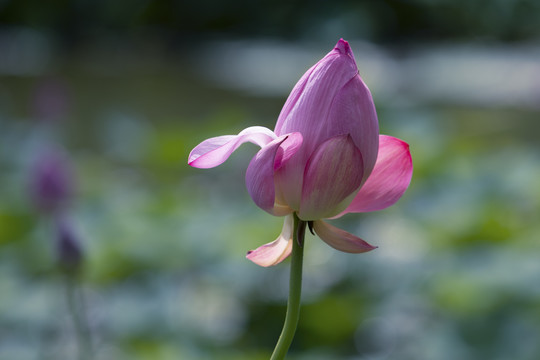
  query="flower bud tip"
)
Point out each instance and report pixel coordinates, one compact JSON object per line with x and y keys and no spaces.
{"x":343,"y":46}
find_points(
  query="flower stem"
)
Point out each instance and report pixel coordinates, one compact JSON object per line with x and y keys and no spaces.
{"x":295,"y":290}
{"x":76,"y":308}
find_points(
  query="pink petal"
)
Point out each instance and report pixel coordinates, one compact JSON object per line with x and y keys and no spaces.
{"x":306,"y":107}
{"x":288,"y":148}
{"x":340,"y":239}
{"x":278,"y":250}
{"x":333,"y":173}
{"x":214,"y":151}
{"x":353,"y":112}
{"x":388,"y":180}
{"x":260,"y":172}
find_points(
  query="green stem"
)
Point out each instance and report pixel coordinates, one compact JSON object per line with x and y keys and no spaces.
{"x":76,"y":309}
{"x":295,"y":290}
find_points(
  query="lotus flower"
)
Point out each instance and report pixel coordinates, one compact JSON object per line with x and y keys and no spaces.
{"x":325,"y":157}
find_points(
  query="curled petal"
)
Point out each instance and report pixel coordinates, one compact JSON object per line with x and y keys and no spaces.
{"x":214,"y":151}
{"x":278,"y":250}
{"x":388,"y":180}
{"x":260,"y":172}
{"x":332,"y":174}
{"x":288,"y":148}
{"x":260,"y":175}
{"x":340,"y":239}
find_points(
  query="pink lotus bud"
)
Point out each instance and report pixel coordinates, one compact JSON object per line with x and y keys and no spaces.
{"x":330,"y":102}
{"x":325,"y":157}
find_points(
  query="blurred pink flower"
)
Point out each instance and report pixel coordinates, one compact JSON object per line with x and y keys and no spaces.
{"x":51,"y":181}
{"x":325,"y":157}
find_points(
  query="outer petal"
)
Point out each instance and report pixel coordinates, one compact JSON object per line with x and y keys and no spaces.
{"x":260,"y":172}
{"x":388,"y":180}
{"x":307,"y":110}
{"x":353,"y":112}
{"x":333,"y":173}
{"x":214,"y":151}
{"x":340,"y":239}
{"x":278,"y":250}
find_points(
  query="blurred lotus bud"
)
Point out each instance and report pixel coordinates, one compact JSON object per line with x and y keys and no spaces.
{"x":68,"y":249}
{"x":51,"y":181}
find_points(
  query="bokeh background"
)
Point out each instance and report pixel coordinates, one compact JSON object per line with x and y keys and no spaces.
{"x":127,"y":88}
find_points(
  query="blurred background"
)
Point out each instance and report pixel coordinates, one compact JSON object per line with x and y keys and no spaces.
{"x":109,"y":242}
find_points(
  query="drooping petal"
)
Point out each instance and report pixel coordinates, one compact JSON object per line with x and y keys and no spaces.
{"x":388,"y":180}
{"x":278,"y":250}
{"x":260,"y":172}
{"x":214,"y":151}
{"x":340,"y":239}
{"x":332,"y":174}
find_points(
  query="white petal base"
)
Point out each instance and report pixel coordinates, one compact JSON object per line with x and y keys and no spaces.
{"x":278,"y":250}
